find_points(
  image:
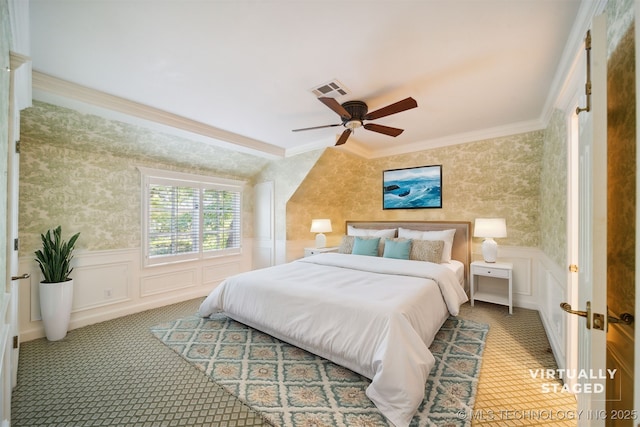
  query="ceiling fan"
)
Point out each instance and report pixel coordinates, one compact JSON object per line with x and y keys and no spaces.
{"x":353,"y":113}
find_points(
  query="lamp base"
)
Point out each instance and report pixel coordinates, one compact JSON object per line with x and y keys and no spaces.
{"x":489,"y":250}
{"x":321,"y":240}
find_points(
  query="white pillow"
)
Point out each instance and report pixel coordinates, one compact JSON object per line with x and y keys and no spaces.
{"x":405,"y":233}
{"x":445,"y":235}
{"x":371,"y":232}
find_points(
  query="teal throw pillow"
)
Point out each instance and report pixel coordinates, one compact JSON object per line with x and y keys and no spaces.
{"x":365,"y":246}
{"x":399,"y":249}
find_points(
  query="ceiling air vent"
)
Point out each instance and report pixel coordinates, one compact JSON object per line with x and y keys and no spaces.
{"x":332,"y":89}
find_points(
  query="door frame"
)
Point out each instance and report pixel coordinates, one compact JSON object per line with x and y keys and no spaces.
{"x":636,"y":388}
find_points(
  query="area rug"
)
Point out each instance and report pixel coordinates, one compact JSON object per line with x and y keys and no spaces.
{"x":294,"y":388}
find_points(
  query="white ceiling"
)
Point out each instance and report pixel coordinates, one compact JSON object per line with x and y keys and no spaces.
{"x":242,"y":70}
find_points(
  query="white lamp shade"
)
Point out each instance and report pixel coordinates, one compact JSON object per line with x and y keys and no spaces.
{"x":490,"y":227}
{"x":321,"y":226}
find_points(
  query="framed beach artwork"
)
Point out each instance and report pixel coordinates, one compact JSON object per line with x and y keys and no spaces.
{"x":412,"y":188}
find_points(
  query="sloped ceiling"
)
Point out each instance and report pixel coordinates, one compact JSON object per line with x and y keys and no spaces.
{"x":240,"y":73}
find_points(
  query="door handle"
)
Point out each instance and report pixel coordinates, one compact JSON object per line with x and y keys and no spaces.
{"x":567,"y":307}
{"x":626,"y":318}
{"x":24,"y":276}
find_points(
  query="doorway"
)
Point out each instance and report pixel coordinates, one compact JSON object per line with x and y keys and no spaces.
{"x":617,"y":272}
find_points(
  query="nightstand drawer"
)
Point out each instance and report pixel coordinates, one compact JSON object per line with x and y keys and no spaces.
{"x":492,"y":272}
{"x":316,"y":251}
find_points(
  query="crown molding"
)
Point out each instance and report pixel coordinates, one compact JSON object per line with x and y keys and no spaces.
{"x":313,"y":146}
{"x":64,"y":93}
{"x":461,"y":138}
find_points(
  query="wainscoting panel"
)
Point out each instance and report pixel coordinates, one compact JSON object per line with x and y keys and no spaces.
{"x":522,"y":276}
{"x":168,"y":281}
{"x":214,"y":274}
{"x":552,"y":287}
{"x":101,"y":278}
{"x":100,"y":285}
{"x":111,"y":284}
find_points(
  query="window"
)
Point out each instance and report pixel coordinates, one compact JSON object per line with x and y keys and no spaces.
{"x":189,"y":217}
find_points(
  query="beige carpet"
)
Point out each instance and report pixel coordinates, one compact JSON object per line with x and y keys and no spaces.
{"x":117,"y":374}
{"x":507,"y":393}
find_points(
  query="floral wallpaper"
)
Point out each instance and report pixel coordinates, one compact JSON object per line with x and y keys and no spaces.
{"x":80,"y":171}
{"x":553,"y":190}
{"x":496,"y":177}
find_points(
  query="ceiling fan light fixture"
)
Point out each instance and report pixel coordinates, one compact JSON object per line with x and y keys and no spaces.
{"x":353,"y":124}
{"x":354,"y":113}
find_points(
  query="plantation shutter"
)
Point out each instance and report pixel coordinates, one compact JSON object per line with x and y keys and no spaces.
{"x":174,"y":220}
{"x":187,"y":217}
{"x":221,"y":224}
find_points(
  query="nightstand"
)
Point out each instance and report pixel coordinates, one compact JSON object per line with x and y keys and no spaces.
{"x":315,"y":251}
{"x":499,"y":270}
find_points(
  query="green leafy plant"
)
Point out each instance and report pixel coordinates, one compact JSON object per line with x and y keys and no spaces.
{"x":55,"y":256}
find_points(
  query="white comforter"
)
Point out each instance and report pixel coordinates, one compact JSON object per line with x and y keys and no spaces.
{"x":375,"y":316}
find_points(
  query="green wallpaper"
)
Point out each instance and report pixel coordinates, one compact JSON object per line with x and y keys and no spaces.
{"x":496,"y":177}
{"x":553,"y":190}
{"x":80,"y":171}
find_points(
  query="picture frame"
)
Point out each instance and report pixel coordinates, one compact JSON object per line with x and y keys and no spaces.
{"x":418,"y":187}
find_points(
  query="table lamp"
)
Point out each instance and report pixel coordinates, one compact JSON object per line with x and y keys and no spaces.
{"x":321,"y":226}
{"x":490,"y":228}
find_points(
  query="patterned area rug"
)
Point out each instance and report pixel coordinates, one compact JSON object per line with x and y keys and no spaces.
{"x":294,"y":388}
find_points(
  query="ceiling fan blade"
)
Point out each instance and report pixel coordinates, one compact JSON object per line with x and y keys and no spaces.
{"x":343,"y":138}
{"x":383,"y":129}
{"x":335,"y":106}
{"x":316,"y":127}
{"x":405,"y":104}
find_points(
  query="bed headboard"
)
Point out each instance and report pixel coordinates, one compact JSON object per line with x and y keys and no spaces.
{"x":461,"y":241}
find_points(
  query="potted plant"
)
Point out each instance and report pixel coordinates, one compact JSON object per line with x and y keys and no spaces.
{"x":56,"y":290}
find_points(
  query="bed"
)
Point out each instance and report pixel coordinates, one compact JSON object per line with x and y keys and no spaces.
{"x":393,"y":307}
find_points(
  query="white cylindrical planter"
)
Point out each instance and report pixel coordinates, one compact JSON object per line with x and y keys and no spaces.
{"x":55,"y":308}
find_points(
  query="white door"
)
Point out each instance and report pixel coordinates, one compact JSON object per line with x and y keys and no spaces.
{"x":13,"y":174}
{"x":9,"y":368}
{"x":592,"y":229}
{"x":264,"y":225}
